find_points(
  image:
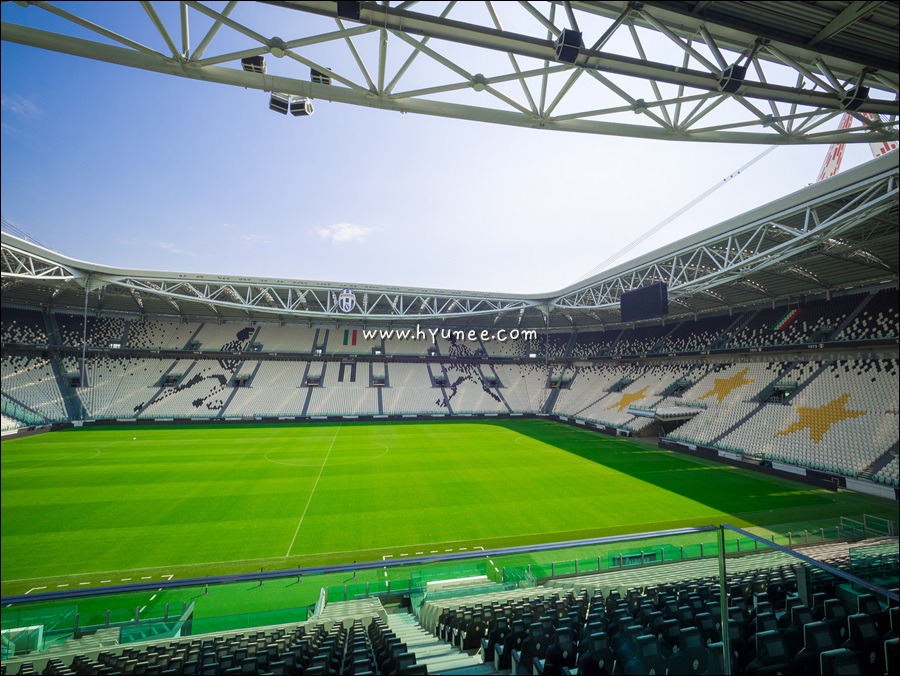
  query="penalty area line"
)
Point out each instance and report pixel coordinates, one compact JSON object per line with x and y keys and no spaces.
{"x":85,"y":584}
{"x":385,"y":557}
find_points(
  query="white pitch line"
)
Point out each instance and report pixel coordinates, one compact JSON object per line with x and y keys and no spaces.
{"x":315,"y":485}
{"x":168,"y":577}
{"x":105,"y":581}
{"x":153,"y":597}
{"x":126,"y":579}
{"x":81,"y":584}
{"x":146,"y":577}
{"x":63,"y":585}
{"x":33,"y":589}
{"x":419,"y":553}
{"x":62,"y":459}
{"x":561,"y":535}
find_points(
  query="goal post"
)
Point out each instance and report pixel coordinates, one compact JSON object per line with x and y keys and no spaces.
{"x":851,"y":528}
{"x":867,"y":526}
{"x":876,"y":525}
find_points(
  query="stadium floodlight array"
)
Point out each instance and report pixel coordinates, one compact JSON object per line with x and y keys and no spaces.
{"x":295,"y":105}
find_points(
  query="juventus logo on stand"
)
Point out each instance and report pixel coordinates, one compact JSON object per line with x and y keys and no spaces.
{"x":346,"y":300}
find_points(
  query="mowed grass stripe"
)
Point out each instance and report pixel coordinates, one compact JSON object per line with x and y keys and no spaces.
{"x":313,"y":491}
{"x":225,"y":502}
{"x":195,"y":497}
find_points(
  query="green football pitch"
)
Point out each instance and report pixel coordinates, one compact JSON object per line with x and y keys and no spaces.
{"x":97,"y":506}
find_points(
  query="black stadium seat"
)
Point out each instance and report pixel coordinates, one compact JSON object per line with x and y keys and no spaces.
{"x":892,"y":655}
{"x":865,"y":641}
{"x":836,"y":617}
{"x":691,"y":656}
{"x":771,"y":655}
{"x":647,"y":658}
{"x":817,"y":638}
{"x":841,"y":662}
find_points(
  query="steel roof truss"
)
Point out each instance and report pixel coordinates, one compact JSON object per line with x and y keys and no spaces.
{"x":821,"y":86}
{"x":754,"y":247}
{"x":315,"y":301}
{"x":15,"y":263}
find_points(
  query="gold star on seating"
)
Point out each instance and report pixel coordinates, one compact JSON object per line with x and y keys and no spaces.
{"x":725,"y":386}
{"x":628,"y":399}
{"x":819,"y":420}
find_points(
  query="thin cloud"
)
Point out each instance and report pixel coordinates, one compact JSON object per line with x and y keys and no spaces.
{"x":171,"y":248}
{"x":255,"y":239}
{"x":339,"y":233}
{"x":19,"y":105}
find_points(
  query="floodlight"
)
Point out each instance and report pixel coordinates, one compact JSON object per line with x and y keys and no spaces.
{"x":301,"y":107}
{"x":254,"y":64}
{"x":319,"y":78}
{"x":280,"y":103}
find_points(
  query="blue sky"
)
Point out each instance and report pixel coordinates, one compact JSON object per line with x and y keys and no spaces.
{"x":136,"y":169}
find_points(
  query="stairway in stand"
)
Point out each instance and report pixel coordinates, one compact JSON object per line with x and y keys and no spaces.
{"x":439,"y":656}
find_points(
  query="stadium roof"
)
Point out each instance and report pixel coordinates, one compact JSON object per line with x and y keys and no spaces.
{"x":735,"y":72}
{"x":837,"y":234}
{"x":660,"y":70}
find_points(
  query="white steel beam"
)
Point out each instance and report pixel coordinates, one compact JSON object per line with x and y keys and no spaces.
{"x":754,"y":247}
{"x":688,"y":79}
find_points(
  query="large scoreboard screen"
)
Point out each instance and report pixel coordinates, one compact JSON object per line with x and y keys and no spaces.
{"x":646,"y":302}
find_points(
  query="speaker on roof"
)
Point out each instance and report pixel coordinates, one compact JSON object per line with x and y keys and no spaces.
{"x":567,"y":45}
{"x":348,"y":10}
{"x":732,"y":78}
{"x":855,"y":98}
